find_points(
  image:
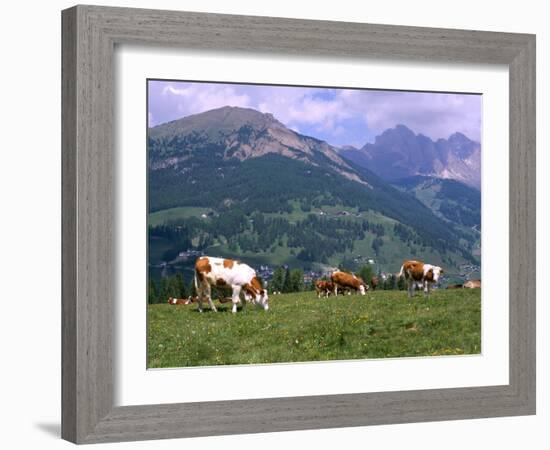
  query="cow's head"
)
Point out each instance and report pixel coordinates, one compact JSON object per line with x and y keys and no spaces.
{"x":258,"y":293}
{"x":437,"y":272}
{"x":363,"y":287}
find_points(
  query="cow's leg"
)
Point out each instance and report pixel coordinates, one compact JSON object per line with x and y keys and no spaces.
{"x":200,"y":293}
{"x":426,"y":288}
{"x":209,"y":297}
{"x":235,"y":297}
{"x":410,"y":287}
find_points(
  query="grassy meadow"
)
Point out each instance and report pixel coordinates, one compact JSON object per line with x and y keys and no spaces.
{"x":299,"y":327}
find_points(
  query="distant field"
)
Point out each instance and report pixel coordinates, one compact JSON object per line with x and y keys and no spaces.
{"x":389,"y":257}
{"x":166,"y":215}
{"x":300,"y":327}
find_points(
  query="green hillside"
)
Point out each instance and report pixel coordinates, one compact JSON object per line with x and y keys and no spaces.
{"x":449,"y":199}
{"x":321,"y":238}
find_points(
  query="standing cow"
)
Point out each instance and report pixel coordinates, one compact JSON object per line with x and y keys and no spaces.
{"x":222,"y":272}
{"x":418,"y":272}
{"x":345,"y":280}
{"x":323,"y":288}
{"x":374,"y":282}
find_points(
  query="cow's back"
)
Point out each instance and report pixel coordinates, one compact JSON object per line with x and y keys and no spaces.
{"x":223,"y":271}
{"x":413,"y":269}
{"x":346,"y":279}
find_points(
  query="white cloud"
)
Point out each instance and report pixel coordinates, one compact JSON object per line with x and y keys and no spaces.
{"x":435,"y":115}
{"x":301,"y":106}
{"x":327,"y":110}
{"x":197,"y":98}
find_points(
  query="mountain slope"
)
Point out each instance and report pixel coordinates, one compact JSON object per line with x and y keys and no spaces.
{"x":241,"y":133}
{"x":272,"y":191}
{"x":399,"y":153}
{"x":449,"y":199}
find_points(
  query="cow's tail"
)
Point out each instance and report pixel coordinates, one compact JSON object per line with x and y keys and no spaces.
{"x":402,"y":271}
{"x":196,"y":282}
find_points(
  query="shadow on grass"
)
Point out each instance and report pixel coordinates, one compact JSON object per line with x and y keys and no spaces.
{"x":221,"y":309}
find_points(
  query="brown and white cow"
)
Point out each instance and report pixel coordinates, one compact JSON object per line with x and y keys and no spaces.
{"x":220,"y":272}
{"x":178,"y":301}
{"x":324,"y":288}
{"x":345,"y":280}
{"x":472,"y":284}
{"x":418,"y":272}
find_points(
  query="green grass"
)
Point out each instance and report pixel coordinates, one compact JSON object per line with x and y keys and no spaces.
{"x":300,"y":327}
{"x":166,"y":215}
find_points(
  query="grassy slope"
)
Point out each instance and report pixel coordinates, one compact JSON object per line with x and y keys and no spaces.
{"x":392,"y":252}
{"x":299,"y":327}
{"x":166,"y":215}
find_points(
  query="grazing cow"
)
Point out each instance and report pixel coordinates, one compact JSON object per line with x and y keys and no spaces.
{"x":455,"y":286}
{"x":374,"y":282}
{"x":323,"y":288}
{"x":345,"y":280}
{"x":418,"y":272}
{"x":472,"y":284}
{"x":177,"y":301}
{"x":222,"y":272}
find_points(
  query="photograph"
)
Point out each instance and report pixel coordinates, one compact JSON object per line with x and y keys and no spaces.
{"x":311,"y":223}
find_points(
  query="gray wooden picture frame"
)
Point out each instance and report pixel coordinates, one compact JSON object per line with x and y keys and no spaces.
{"x":90,"y":34}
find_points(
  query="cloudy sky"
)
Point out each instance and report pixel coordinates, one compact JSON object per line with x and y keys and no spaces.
{"x":338,"y":116}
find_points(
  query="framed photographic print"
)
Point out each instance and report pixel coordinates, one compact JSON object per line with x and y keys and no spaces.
{"x":252,"y":211}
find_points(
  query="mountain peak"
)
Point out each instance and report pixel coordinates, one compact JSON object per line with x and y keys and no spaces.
{"x":459,"y":137}
{"x":241,"y":133}
{"x":398,"y":133}
{"x":403,"y":129}
{"x":399,"y":129}
{"x":235,"y":115}
{"x":215,"y":122}
{"x":398,"y":153}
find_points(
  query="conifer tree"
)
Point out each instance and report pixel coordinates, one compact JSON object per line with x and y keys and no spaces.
{"x":152,"y":294}
{"x":287,"y":285}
